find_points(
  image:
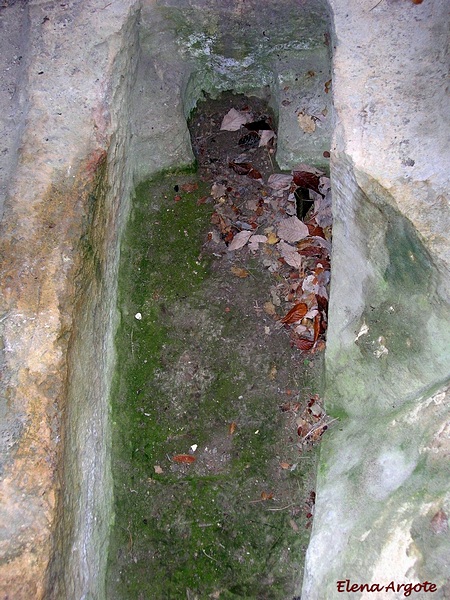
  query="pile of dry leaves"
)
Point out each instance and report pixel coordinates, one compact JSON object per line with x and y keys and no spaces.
{"x":284,"y":220}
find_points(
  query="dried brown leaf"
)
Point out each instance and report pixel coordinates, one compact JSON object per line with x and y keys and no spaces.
{"x":239,"y":240}
{"x":316,"y":327}
{"x":266,"y":137}
{"x":183,"y":458}
{"x":255,"y":240}
{"x":290,"y":255}
{"x":272,"y":238}
{"x":306,"y":180}
{"x":244,"y":168}
{"x":303,"y":427}
{"x":239,"y":272}
{"x":266,"y":496}
{"x":254,"y":174}
{"x":218,"y":190}
{"x":292,"y":230}
{"x":241,"y":168}
{"x":234,"y":119}
{"x":303,"y":344}
{"x":279,"y":181}
{"x":296,"y":313}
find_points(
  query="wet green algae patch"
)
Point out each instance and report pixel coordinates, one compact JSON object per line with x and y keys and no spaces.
{"x":195,"y":377}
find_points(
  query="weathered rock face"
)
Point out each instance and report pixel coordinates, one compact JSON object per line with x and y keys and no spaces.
{"x":63,"y":212}
{"x":273,"y":50}
{"x":383,"y":483}
{"x":103,"y":93}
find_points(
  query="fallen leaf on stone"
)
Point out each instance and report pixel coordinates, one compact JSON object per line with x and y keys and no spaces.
{"x":266,"y":137}
{"x":183,"y":458}
{"x":319,"y":241}
{"x":290,"y":255}
{"x":272,"y":238}
{"x":311,"y":284}
{"x":254,"y":174}
{"x":255,"y":240}
{"x":297,"y":312}
{"x":279,"y":181}
{"x":218,"y":190}
{"x":292,"y":230}
{"x":234,"y":119}
{"x":303,"y":344}
{"x":306,"y":122}
{"x":239,"y":272}
{"x":304,"y":168}
{"x":245,"y":168}
{"x":306,"y":180}
{"x":189,"y":187}
{"x":239,"y":240}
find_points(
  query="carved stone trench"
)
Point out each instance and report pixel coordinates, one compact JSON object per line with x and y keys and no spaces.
{"x":95,"y":100}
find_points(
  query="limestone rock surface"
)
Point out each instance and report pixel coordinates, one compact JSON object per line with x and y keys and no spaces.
{"x":384,"y":474}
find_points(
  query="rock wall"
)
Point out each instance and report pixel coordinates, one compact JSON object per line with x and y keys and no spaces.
{"x":65,"y":205}
{"x":383,"y":493}
{"x":193,"y":48}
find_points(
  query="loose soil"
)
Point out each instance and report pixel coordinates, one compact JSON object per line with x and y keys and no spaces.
{"x":213,"y":478}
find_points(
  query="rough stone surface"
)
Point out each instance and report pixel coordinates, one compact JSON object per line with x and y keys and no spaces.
{"x":273,"y":50}
{"x":14,"y":30}
{"x":59,"y":251}
{"x":384,"y":471}
{"x":100,"y":97}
